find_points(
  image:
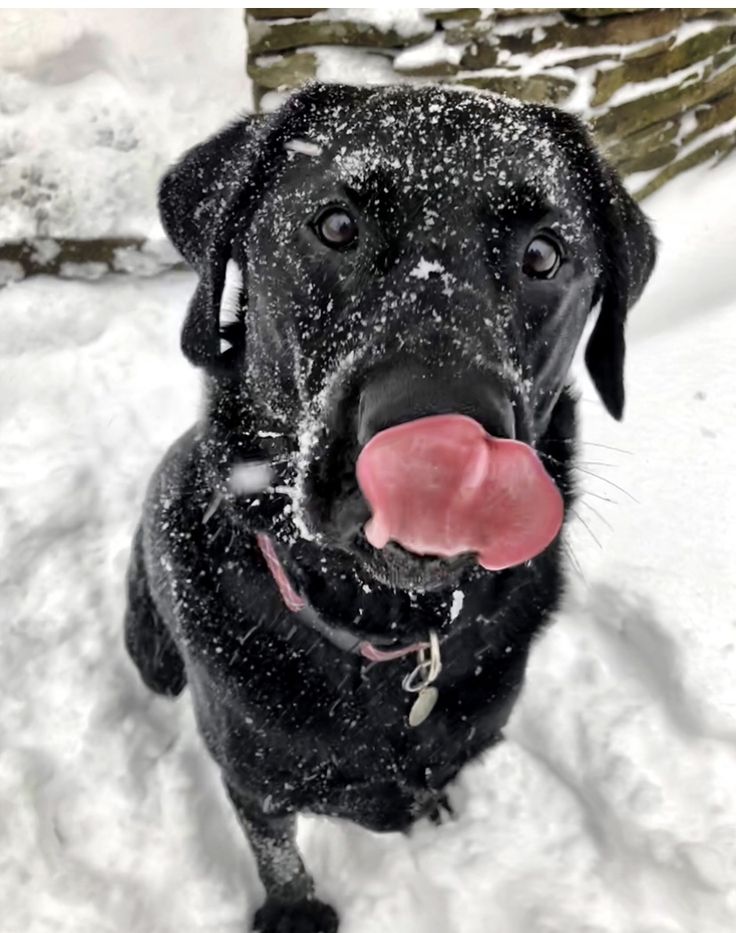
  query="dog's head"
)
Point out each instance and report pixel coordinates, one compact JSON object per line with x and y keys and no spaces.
{"x":371,"y":257}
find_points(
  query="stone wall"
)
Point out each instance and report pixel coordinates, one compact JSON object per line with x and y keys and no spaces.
{"x":656,"y":86}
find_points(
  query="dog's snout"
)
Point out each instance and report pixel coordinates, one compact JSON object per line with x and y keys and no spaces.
{"x":406,"y":391}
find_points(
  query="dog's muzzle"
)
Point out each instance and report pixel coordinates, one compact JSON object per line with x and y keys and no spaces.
{"x":442,"y":474}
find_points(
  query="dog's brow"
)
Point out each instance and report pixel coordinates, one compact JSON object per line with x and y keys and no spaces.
{"x":377,"y":185}
{"x":513,"y":199}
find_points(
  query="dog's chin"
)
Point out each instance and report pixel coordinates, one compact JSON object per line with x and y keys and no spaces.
{"x":397,"y":568}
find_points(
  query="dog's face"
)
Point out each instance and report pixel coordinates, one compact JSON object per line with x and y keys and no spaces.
{"x":390,"y":254}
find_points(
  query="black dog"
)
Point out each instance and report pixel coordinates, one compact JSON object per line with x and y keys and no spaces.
{"x":367,"y":258}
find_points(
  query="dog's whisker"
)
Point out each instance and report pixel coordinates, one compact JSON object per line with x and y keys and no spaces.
{"x":576,"y":464}
{"x":587,"y":527}
{"x":600,"y":496}
{"x":610,"y":482}
{"x":590,"y":463}
{"x":575,"y":442}
{"x":618,"y":450}
{"x":595,"y":512}
{"x":573,"y":560}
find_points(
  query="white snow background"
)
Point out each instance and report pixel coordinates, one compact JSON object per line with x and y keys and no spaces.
{"x":609,"y":809}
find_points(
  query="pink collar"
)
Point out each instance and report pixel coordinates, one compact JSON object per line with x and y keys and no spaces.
{"x":340,"y":637}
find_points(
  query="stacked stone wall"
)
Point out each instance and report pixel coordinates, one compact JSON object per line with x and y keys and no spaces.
{"x":656,"y":86}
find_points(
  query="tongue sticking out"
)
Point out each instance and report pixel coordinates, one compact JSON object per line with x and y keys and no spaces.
{"x":442,"y":486}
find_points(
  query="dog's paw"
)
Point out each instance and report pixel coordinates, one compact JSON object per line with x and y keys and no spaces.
{"x":305,"y":916}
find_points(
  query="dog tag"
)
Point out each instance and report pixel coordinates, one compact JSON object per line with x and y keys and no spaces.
{"x":423,"y":705}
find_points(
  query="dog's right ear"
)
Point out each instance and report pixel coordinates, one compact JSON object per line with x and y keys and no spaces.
{"x":192,"y":191}
{"x":209,"y":197}
{"x":194,"y":197}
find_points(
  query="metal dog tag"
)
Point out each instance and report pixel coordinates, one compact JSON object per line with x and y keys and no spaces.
{"x":423,"y":705}
{"x":420,"y":679}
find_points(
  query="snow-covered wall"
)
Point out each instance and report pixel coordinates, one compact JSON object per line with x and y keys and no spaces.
{"x":658,"y":86}
{"x":95,"y":103}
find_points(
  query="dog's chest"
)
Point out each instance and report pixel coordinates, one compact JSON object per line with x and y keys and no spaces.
{"x":340,"y":742}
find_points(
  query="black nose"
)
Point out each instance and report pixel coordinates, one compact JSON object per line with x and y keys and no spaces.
{"x":406,"y":390}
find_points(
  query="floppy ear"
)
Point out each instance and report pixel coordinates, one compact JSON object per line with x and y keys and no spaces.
{"x":628,"y":252}
{"x":193,"y":199}
{"x":209,"y":197}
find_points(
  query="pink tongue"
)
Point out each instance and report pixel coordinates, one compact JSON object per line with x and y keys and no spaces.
{"x":442,"y":486}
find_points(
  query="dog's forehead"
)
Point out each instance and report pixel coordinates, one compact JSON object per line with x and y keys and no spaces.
{"x":440,"y":140}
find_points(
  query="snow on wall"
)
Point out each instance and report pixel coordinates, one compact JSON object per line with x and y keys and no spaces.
{"x":669,"y":64}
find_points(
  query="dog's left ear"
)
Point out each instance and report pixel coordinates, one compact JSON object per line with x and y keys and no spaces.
{"x":628,"y":252}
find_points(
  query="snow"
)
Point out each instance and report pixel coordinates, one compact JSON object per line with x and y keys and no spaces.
{"x":336,"y":65}
{"x":634,"y":91}
{"x":424,"y":268}
{"x":407,"y":22}
{"x":303,"y":147}
{"x":512,"y":25}
{"x":610,"y":807}
{"x":114,"y":112}
{"x":458,"y":598}
{"x":431,"y":52}
{"x":249,"y":478}
{"x":727,"y":128}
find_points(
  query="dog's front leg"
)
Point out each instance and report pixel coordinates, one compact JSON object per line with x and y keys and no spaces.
{"x":291,"y":906}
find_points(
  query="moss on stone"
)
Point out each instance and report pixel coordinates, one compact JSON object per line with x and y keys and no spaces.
{"x":637,"y":145}
{"x":713,"y":149}
{"x":677,"y":58}
{"x":600,"y":12}
{"x":617,"y":30}
{"x":654,"y":48}
{"x":585,"y":61}
{"x":466,"y":31}
{"x":647,"y":161}
{"x":450,"y":14}
{"x":638,"y":135}
{"x":480,"y":55}
{"x":712,"y":114}
{"x":652,"y":108}
{"x":284,"y":71}
{"x":539,"y":88}
{"x":438,"y":69}
{"x":284,"y":12}
{"x":266,"y":37}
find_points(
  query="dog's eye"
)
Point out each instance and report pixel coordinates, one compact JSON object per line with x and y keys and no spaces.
{"x":542,"y":258}
{"x":336,"y":228}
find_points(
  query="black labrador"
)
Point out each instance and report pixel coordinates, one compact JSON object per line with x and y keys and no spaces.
{"x":370,"y":259}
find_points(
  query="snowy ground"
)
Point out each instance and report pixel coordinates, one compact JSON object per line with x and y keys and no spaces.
{"x":610,"y":809}
{"x":94,"y":104}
